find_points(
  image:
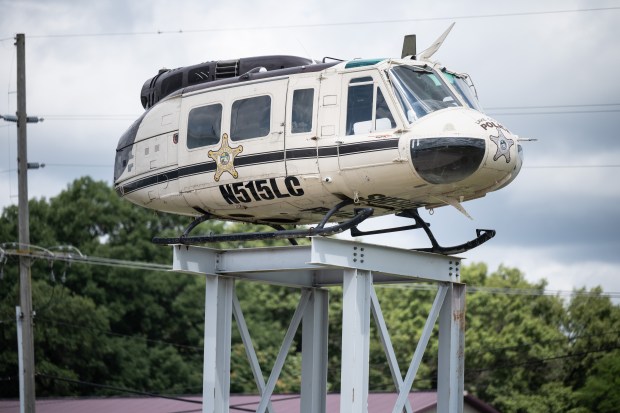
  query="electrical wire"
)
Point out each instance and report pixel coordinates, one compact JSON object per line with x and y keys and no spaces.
{"x":14,"y":249}
{"x":551,"y":106}
{"x":565,"y":112}
{"x":89,"y":117}
{"x":115,"y":334}
{"x":32,"y":251}
{"x":472,"y":289}
{"x":78,"y":165}
{"x":316,"y":25}
{"x":116,"y":388}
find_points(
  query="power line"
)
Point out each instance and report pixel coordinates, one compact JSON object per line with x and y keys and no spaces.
{"x":316,"y":25}
{"x":90,"y":117}
{"x":554,"y":109}
{"x":564,"y":112}
{"x":72,"y":254}
{"x":78,"y":165}
{"x":116,"y":388}
{"x":533,"y":361}
{"x":570,"y":166}
{"x":471,"y":289}
{"x":527,"y":107}
{"x":33,"y":251}
{"x":115,"y":334}
{"x":552,"y":106}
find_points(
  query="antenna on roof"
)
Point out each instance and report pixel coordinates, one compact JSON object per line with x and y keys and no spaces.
{"x":426,"y":54}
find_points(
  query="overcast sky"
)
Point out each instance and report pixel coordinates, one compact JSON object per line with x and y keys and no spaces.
{"x":546,"y":70}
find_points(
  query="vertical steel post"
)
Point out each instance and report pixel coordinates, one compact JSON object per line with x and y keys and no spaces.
{"x":217,"y":342}
{"x":451,"y":353}
{"x":355,"y":341}
{"x":25,"y":282}
{"x":314,"y":353}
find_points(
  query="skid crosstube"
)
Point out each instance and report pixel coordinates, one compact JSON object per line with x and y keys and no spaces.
{"x":361,"y":214}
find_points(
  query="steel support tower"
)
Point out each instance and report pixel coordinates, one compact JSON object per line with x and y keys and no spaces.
{"x":355,"y":266}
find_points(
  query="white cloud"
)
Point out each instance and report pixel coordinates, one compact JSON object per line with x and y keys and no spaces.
{"x":543,"y":218}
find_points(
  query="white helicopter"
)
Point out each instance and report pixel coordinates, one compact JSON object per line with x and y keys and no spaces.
{"x":286,"y":140}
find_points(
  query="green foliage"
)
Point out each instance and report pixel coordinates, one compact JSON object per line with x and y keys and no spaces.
{"x":597,"y":394}
{"x":143,"y":330}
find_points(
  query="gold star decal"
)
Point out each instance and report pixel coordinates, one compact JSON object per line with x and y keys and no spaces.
{"x":225,"y":158}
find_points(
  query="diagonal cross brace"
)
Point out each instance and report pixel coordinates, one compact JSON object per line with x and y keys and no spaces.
{"x":419,"y":351}
{"x":286,"y":345}
{"x":386,"y":342}
{"x":249,"y":348}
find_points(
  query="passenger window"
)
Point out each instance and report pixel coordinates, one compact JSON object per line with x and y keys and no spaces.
{"x":360,"y":104}
{"x":250,"y":118}
{"x":301,"y":119}
{"x":204,"y":126}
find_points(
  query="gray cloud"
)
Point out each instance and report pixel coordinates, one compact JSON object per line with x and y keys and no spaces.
{"x":528,"y":60}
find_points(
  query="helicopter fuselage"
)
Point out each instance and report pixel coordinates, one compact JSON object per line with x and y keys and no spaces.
{"x":286,"y":145}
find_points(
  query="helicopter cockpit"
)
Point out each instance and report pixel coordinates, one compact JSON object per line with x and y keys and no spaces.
{"x":420,"y":90}
{"x":463,"y":84}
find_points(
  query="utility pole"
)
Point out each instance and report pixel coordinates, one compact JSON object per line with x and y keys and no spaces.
{"x":25,"y":281}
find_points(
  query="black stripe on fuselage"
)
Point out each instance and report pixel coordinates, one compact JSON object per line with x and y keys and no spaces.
{"x":261,"y":159}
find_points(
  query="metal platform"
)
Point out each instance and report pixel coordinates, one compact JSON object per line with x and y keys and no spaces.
{"x":328,"y":262}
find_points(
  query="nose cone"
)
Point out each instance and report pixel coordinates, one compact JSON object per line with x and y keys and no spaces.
{"x":464,"y":146}
{"x":445,"y":160}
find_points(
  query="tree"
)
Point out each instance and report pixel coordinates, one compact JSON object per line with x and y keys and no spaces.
{"x":143,"y":330}
{"x":599,"y":393}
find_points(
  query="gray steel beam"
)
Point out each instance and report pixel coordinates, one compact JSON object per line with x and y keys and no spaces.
{"x":451,"y":352}
{"x":314,"y":353}
{"x":194,"y":260}
{"x":319,"y":264}
{"x":217,"y":342}
{"x":412,"y":265}
{"x":355,"y":341}
{"x":355,"y":266}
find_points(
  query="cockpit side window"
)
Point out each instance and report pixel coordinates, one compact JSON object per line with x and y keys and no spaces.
{"x":204,"y":126}
{"x":367,"y":109}
{"x":460,"y":83}
{"x":250,"y":118}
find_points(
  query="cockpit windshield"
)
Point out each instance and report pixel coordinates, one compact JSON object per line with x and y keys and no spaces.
{"x":464,"y":88}
{"x":420,"y":91}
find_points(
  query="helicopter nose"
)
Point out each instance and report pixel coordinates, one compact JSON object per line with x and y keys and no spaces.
{"x":505,"y":156}
{"x":445,"y":160}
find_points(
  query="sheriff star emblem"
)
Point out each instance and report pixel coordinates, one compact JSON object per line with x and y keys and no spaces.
{"x":225,"y":158}
{"x":503,"y":145}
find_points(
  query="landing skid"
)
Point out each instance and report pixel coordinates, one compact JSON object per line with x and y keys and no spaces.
{"x":482,"y":235}
{"x":361,"y":214}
